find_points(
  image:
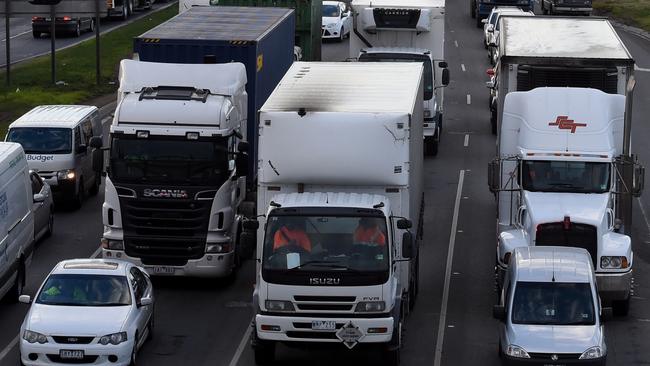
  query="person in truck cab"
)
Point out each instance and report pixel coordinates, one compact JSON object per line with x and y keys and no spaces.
{"x":368,"y":232}
{"x":291,"y":234}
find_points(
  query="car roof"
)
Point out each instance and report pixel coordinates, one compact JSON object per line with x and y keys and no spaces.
{"x":552,"y":264}
{"x":65,"y":116}
{"x":92,"y":266}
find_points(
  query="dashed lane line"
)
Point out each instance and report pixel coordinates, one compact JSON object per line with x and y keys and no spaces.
{"x":242,"y":344}
{"x":462,"y":66}
{"x":469,"y":99}
{"x":466,"y":143}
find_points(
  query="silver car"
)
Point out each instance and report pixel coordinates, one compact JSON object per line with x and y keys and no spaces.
{"x":549,"y":309}
{"x":43,"y":207}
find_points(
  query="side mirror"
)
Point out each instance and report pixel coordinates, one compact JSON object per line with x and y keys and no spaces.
{"x":606,"y":314}
{"x":490,"y":28}
{"x":145,"y":301}
{"x":81,"y":149}
{"x":445,"y":77}
{"x":25,"y":299}
{"x":241,"y":165}
{"x":39,"y":198}
{"x":494,"y":176}
{"x":443,"y":64}
{"x":408,"y":246}
{"x":499,"y":312}
{"x":98,"y":160}
{"x":243,"y":146}
{"x":484,"y":20}
{"x":638,"y":180}
{"x":492,"y":44}
{"x":404,"y":224}
{"x":251,"y":225}
{"x":96,"y":142}
{"x":489,"y":84}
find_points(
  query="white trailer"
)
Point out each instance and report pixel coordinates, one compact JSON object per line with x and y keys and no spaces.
{"x":406,"y":31}
{"x":176,"y":173}
{"x":558,"y":181}
{"x":330,"y":163}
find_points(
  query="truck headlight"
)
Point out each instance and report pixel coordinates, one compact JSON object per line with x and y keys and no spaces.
{"x":370,"y":307}
{"x":516,"y":351}
{"x":114,"y":339}
{"x":111,"y":244}
{"x":279,"y":305}
{"x":613,"y":262}
{"x":218,"y":248}
{"x":34,"y":337}
{"x":65,"y":174}
{"x":593,"y":352}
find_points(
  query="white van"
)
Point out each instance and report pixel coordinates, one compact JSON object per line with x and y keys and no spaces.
{"x":16,"y":220}
{"x":60,"y":142}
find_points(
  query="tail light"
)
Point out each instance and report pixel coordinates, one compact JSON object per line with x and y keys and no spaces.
{"x":34,"y":19}
{"x":490,"y":72}
{"x":66,"y":18}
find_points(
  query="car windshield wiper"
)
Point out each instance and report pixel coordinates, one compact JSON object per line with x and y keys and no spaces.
{"x":581,"y":322}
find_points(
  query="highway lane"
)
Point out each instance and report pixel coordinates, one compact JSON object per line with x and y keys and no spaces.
{"x":25,"y":46}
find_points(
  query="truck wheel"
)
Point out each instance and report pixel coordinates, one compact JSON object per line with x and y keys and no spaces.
{"x":493,"y":122}
{"x":430,"y":146}
{"x":78,"y":198}
{"x":264,"y":352}
{"x":622,"y":307}
{"x":36,"y":34}
{"x":393,"y":352}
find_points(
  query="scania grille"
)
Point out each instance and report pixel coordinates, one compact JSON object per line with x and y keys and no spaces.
{"x":568,"y":235}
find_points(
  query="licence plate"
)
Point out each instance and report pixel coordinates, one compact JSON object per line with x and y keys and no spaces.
{"x":71,"y":354}
{"x":323,"y":325}
{"x":163,"y":270}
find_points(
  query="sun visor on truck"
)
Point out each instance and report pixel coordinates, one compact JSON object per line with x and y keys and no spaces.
{"x":226,"y":79}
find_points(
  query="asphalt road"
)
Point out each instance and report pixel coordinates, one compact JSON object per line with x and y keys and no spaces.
{"x":207,"y":322}
{"x":25,"y":46}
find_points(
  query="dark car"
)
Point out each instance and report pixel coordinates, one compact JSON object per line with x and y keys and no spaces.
{"x":64,"y":24}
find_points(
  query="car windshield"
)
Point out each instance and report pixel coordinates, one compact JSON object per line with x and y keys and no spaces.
{"x":553,"y":303}
{"x":42,"y":140}
{"x":173,"y":161}
{"x":85,"y":290}
{"x":326,"y":243}
{"x":565,"y":176}
{"x":331,"y":11}
{"x":426,"y":61}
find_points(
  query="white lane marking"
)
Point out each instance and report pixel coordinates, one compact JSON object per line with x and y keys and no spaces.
{"x":462,"y":66}
{"x":456,"y":43}
{"x":96,"y":253}
{"x":469,"y":99}
{"x":242,"y":345}
{"x":4,"y":38}
{"x":645,"y":217}
{"x":466,"y":143}
{"x":450,"y":260}
{"x":643,"y":69}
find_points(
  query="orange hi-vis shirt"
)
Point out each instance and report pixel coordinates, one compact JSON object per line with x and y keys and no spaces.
{"x":283,"y":236}
{"x":369,"y":235}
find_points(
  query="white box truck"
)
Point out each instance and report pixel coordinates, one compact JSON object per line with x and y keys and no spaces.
{"x":406,"y":31}
{"x":339,"y":185}
{"x":558,"y":179}
{"x":176,"y":172}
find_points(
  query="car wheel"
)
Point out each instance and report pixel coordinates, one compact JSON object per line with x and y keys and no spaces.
{"x":77,"y":30}
{"x":134,"y":352}
{"x":151,"y":325}
{"x":125,"y":11}
{"x":50,"y":224}
{"x":130,"y":7}
{"x":92,"y":25}
{"x":149,"y":5}
{"x":36,"y":34}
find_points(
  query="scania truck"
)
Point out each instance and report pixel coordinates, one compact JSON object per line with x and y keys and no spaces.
{"x":561,"y":179}
{"x":406,"y":31}
{"x":177,"y":166}
{"x":340,"y":205}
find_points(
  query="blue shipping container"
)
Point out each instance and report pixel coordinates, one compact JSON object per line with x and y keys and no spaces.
{"x":261,"y":38}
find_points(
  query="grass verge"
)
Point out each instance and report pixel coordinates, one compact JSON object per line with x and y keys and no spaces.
{"x":632,"y":12}
{"x":31,"y":80}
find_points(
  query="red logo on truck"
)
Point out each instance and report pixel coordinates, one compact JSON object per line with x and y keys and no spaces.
{"x":564,"y":123}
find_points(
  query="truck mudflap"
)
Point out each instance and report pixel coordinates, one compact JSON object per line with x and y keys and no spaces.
{"x":348,"y":331}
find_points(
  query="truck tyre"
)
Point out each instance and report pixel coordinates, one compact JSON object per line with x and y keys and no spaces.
{"x":264,"y":352}
{"x":493,"y":122}
{"x":621,"y":307}
{"x":472,"y":8}
{"x":36,"y":34}
{"x":394,"y":349}
{"x":78,"y":198}
{"x":430,"y":146}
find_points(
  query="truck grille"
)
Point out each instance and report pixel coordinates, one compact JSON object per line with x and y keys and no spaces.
{"x":531,"y":77}
{"x":577,"y":236}
{"x":325,"y":303}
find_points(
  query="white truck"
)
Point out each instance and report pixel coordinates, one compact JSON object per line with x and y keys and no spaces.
{"x":340,"y":183}
{"x":176,"y":173}
{"x":559,"y":181}
{"x":406,"y":31}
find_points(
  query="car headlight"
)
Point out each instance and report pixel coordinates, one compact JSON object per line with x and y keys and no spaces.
{"x":593,"y":352}
{"x":516,"y":351}
{"x":279,"y":305}
{"x":65,"y":174}
{"x":333,"y":25}
{"x":114,"y":338}
{"x":34,"y":337}
{"x":370,"y":307}
{"x":111,"y":244}
{"x":218,"y":248}
{"x":613,"y":262}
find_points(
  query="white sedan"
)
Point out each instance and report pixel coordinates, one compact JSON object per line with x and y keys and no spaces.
{"x":92,"y":311}
{"x":337,"y":20}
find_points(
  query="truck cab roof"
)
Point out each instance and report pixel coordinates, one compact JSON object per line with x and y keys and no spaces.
{"x":333,"y":199}
{"x":552,"y":264}
{"x":401,"y":50}
{"x":400,"y":3}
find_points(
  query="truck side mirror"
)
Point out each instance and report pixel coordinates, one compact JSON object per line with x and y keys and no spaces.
{"x":443,"y":64}
{"x":639,"y":180}
{"x":445,"y":77}
{"x":98,"y":160}
{"x":494,"y":178}
{"x":96,"y":142}
{"x":499,"y":312}
{"x":243,"y":146}
{"x":408,"y":247}
{"x":606,"y":314}
{"x":241,"y":165}
{"x":404,"y":224}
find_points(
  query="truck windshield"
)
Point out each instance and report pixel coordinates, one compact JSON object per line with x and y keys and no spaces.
{"x":326,"y":244}
{"x":399,"y":57}
{"x":330,"y":11}
{"x":553,"y":303}
{"x":42,"y":140}
{"x":165,"y":160}
{"x":565,"y":176}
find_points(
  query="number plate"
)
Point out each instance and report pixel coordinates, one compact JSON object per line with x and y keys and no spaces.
{"x":163,"y":270}
{"x":323,"y":325}
{"x":71,"y":354}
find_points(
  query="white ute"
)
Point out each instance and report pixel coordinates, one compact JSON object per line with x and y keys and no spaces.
{"x":557,"y":179}
{"x":340,"y":184}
